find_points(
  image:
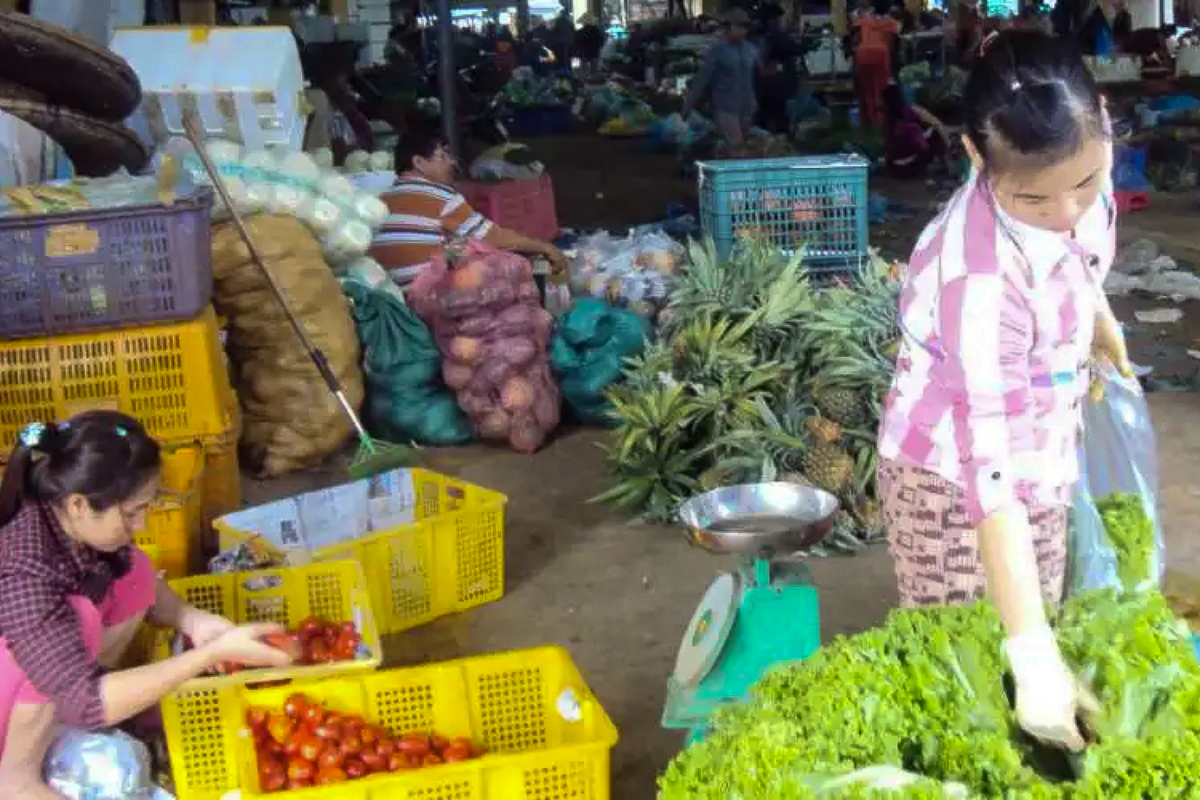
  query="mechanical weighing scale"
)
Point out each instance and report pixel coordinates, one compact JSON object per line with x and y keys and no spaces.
{"x":757,"y":615}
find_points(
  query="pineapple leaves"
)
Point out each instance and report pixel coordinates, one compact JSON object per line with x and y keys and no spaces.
{"x":761,"y":373}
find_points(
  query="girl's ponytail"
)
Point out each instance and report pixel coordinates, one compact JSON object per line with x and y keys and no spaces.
{"x":12,"y":486}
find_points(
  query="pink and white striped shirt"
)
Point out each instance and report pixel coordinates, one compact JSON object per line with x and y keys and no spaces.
{"x":998,"y":318}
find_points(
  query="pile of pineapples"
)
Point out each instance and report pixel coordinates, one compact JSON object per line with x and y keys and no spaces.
{"x":761,"y":372}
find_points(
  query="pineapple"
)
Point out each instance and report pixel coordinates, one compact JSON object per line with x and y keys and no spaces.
{"x":823,"y":430}
{"x":843,"y":406}
{"x":828,"y":467}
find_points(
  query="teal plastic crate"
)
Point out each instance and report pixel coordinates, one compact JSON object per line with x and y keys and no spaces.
{"x":815,"y":202}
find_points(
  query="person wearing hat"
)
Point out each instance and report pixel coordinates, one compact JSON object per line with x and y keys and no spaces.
{"x":727,"y":79}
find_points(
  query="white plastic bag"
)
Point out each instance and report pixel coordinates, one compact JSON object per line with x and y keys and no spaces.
{"x":882,"y":778}
{"x":1118,"y":454}
{"x":99,"y":765}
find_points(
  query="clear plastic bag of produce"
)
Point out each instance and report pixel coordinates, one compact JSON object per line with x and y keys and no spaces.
{"x":1118,"y":457}
{"x":99,"y":765}
{"x":634,"y":272}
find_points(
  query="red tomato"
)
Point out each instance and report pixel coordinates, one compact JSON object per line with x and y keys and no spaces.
{"x":349,"y":627}
{"x":354,"y":768}
{"x":274,"y":782}
{"x":331,"y":756}
{"x":438,"y":743}
{"x":455,"y":753}
{"x":298,"y":784}
{"x":317,"y":652}
{"x":370,"y":735}
{"x":309,"y":747}
{"x":257,"y":718}
{"x":329,"y":775}
{"x":280,"y":727}
{"x":314,"y":715}
{"x":295,"y":705}
{"x":397,"y":762}
{"x":308,"y":626}
{"x":463,"y":741}
{"x":432,"y":759}
{"x":413,"y":744}
{"x":327,"y":731}
{"x":300,"y":770}
{"x":373,"y":761}
{"x":350,"y":744}
{"x":385,"y":747}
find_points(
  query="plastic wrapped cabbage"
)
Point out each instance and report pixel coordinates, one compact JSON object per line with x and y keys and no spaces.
{"x":99,"y":765}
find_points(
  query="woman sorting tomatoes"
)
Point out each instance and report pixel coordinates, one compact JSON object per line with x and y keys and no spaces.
{"x":76,"y":589}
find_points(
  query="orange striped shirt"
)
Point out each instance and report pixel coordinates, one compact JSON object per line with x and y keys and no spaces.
{"x":422,"y":217}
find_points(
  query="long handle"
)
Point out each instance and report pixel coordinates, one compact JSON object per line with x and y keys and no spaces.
{"x":196,"y":137}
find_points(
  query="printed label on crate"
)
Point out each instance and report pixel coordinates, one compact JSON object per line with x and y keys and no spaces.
{"x":333,"y":516}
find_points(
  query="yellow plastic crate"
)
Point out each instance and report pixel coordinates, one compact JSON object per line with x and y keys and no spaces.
{"x":172,"y":531}
{"x":449,"y":559}
{"x":546,"y":735}
{"x":172,"y":378}
{"x":202,"y":719}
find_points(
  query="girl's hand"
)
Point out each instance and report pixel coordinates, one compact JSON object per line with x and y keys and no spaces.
{"x":1108,"y":346}
{"x":243,"y":644}
{"x":201,"y":626}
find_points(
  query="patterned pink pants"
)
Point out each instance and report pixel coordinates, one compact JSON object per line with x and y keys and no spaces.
{"x":934,"y":545}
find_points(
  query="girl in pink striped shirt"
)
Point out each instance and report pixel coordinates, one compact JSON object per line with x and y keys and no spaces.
{"x":1002,"y":308}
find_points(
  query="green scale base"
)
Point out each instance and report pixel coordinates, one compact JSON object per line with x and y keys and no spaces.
{"x":761,"y":616}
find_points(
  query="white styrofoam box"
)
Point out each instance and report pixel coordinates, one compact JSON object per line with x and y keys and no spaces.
{"x":245,"y":84}
{"x":1187,"y":62}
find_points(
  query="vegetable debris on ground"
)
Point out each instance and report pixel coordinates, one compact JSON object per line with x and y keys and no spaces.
{"x":924,"y":697}
{"x":760,"y":373}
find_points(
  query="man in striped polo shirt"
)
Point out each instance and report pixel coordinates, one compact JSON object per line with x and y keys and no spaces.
{"x":426,"y":212}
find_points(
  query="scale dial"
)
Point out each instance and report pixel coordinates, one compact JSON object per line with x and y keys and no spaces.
{"x":708,"y":631}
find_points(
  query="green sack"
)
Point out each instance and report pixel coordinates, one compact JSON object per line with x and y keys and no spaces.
{"x":588,"y":350}
{"x":406,"y":399}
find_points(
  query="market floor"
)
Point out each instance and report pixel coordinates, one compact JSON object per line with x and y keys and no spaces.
{"x":617,"y":593}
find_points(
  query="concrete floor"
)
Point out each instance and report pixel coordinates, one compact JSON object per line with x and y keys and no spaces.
{"x":617,"y":593}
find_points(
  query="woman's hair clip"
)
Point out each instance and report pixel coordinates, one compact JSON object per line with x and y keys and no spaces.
{"x":122,"y":432}
{"x":33,"y":435}
{"x":1015,"y":86}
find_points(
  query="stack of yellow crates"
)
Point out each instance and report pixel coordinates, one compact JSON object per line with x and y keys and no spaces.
{"x":109,"y":308}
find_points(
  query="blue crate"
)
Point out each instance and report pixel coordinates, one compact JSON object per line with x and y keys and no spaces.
{"x":1129,"y":169}
{"x":540,"y":121}
{"x":819,"y":202}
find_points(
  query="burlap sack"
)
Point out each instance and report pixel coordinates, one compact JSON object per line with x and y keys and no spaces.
{"x":291,"y":421}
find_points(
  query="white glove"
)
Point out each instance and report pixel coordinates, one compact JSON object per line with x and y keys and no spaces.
{"x":1049,"y":696}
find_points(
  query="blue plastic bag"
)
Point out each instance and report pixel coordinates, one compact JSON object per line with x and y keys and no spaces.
{"x":1118,"y":454}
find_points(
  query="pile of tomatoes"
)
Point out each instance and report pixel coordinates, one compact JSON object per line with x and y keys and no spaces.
{"x":313,"y":641}
{"x":305,"y":744}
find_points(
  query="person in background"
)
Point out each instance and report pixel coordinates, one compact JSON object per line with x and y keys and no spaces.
{"x":727,"y":78}
{"x":875,"y":34}
{"x":1003,"y":310}
{"x":76,"y":590}
{"x":779,"y":78}
{"x":563,"y":38}
{"x":913,"y":138}
{"x":588,"y":42}
{"x":426,"y":212}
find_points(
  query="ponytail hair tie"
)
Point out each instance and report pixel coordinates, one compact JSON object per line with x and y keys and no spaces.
{"x":33,"y":435}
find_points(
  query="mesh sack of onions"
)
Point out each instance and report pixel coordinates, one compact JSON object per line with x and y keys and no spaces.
{"x":483,"y":308}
